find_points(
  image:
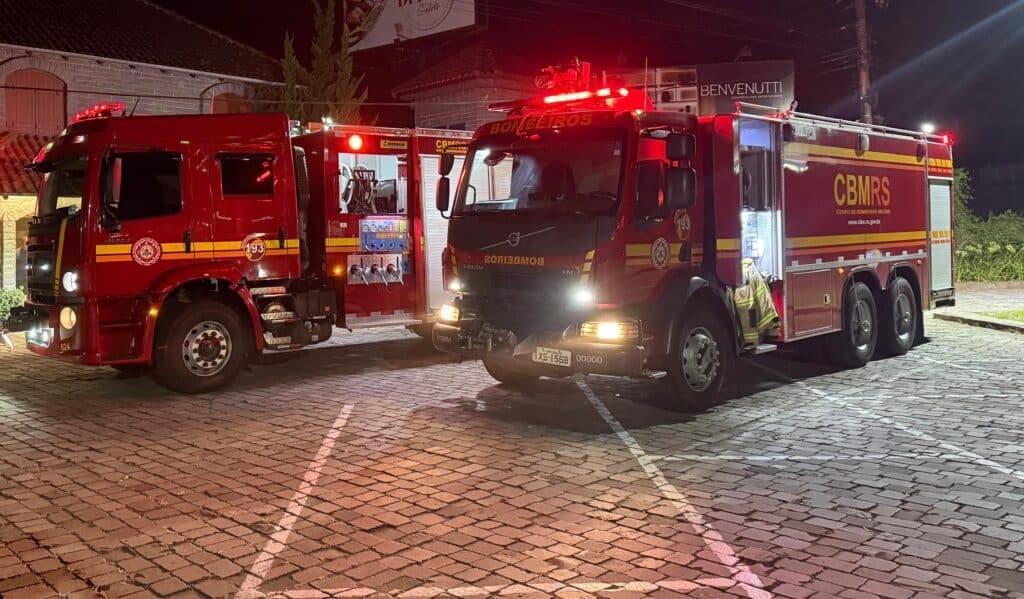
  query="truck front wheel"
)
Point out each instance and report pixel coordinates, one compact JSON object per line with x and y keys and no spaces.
{"x":700,"y":359}
{"x":505,"y":372}
{"x":202,"y":348}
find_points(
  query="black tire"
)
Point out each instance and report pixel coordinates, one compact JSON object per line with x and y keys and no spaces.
{"x":854,"y":346}
{"x":701,"y":358}
{"x":202,"y":347}
{"x":132,"y":370}
{"x":422,"y":330}
{"x":505,"y":372}
{"x":897,"y":331}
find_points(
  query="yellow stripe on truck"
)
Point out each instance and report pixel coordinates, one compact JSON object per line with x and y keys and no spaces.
{"x":829,"y":240}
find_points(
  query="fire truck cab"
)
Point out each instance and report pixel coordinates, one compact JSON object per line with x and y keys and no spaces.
{"x":182,"y":246}
{"x":631,"y":242}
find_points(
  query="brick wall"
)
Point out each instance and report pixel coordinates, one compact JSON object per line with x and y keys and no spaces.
{"x":466,"y":102}
{"x":116,"y":81}
{"x":12,"y":209}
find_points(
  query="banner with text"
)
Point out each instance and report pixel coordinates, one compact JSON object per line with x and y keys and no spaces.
{"x":375,"y":23}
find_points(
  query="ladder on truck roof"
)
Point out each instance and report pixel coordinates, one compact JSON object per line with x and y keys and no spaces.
{"x":770,"y":113}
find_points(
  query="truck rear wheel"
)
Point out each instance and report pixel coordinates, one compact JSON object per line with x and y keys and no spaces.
{"x":898,"y":318}
{"x":701,"y":358}
{"x":505,"y":372}
{"x":202,"y":348}
{"x":854,"y":346}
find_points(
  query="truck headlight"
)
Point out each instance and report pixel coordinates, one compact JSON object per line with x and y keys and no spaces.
{"x":70,"y":281}
{"x":582,"y":296}
{"x":68,"y":318}
{"x":612,"y":331}
{"x":448,"y":313}
{"x":455,"y":285}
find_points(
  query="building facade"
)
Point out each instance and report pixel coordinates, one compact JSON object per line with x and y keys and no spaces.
{"x":455,"y":92}
{"x":52,"y":68}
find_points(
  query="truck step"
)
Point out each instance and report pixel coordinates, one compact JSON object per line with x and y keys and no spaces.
{"x":653,"y":374}
{"x":765,"y":348}
{"x":273,"y":343}
{"x":265,"y":291}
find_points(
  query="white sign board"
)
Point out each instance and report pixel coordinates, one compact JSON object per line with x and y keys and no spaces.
{"x":374,"y":23}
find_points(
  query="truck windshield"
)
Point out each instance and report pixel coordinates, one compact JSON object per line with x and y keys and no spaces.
{"x":63,"y":186}
{"x":558,"y":173}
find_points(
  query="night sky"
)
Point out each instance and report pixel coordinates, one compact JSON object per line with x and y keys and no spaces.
{"x":952,"y":62}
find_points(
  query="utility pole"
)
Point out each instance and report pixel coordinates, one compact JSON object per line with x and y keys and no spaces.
{"x":863,"y":60}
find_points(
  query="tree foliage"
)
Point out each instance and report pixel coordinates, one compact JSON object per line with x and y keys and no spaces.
{"x":329,"y":87}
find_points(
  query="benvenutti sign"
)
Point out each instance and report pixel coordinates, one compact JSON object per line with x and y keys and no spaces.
{"x":720,"y":86}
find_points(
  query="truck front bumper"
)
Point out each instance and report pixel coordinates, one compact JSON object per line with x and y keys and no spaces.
{"x":539,"y":353}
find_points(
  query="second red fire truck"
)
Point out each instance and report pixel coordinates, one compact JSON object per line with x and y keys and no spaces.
{"x":181,"y":246}
{"x":589,"y":234}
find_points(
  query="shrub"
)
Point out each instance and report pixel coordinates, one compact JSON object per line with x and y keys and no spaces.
{"x":990,"y":248}
{"x":10,"y":298}
{"x":991,"y":261}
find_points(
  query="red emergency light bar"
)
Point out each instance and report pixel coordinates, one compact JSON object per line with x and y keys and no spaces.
{"x":99,"y":111}
{"x":585,"y":95}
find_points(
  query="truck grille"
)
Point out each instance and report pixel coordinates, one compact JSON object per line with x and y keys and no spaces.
{"x":521,"y":300}
{"x":519,"y":281}
{"x":40,"y":276}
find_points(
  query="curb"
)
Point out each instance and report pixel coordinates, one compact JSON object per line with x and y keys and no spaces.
{"x":977,"y":320}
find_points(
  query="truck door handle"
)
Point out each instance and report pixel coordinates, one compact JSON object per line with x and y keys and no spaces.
{"x":188,"y":241}
{"x":280,"y":238}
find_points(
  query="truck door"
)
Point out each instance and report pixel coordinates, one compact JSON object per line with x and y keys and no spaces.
{"x":940,"y":245}
{"x":659,"y":239}
{"x":435,"y":226}
{"x":150,"y":219}
{"x":255,"y":222}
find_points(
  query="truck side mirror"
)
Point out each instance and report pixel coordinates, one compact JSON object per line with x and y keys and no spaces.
{"x":680,"y":146}
{"x":443,"y":198}
{"x":444,"y":168}
{"x":680,"y":188}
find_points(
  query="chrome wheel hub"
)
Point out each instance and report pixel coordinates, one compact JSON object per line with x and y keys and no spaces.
{"x":861,"y":325}
{"x":206,"y":349}
{"x":904,"y":316}
{"x":701,"y":359}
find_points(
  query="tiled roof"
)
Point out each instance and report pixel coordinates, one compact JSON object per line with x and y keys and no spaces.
{"x":17,"y":150}
{"x":476,"y":60}
{"x":130,"y":30}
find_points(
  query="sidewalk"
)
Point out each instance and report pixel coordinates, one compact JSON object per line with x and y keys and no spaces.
{"x":975,"y":301}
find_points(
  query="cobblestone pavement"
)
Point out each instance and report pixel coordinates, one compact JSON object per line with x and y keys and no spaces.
{"x":384,"y":469}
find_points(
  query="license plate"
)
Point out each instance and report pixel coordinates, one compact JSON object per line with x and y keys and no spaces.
{"x":554,"y":357}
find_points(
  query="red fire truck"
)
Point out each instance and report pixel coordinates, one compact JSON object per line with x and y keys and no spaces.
{"x":623,"y":241}
{"x":180,"y":246}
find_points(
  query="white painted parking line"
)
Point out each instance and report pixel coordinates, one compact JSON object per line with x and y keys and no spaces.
{"x":964,"y":454}
{"x":878,"y":457}
{"x":278,"y":540}
{"x":723,"y":552}
{"x":967,"y":368}
{"x":551,"y":588}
